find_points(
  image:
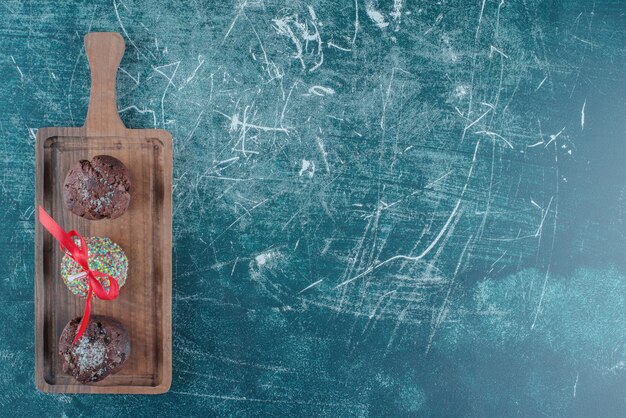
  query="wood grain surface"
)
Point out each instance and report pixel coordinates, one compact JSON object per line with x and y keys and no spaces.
{"x":144,"y":232}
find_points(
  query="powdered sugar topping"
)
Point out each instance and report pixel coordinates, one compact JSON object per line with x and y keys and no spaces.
{"x":89,"y":355}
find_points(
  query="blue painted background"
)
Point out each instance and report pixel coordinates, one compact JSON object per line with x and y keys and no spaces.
{"x":381,"y":208}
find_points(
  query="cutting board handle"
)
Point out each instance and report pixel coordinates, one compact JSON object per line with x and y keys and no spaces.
{"x":104,"y":52}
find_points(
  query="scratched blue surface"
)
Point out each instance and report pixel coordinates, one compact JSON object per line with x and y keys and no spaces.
{"x":381,"y":208}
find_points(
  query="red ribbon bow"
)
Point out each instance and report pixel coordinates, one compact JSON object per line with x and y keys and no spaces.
{"x":81,"y":256}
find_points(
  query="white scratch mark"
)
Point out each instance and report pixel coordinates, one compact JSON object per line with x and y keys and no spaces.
{"x":227,"y":161}
{"x":169,"y":82}
{"x":432,"y":183}
{"x":18,"y":69}
{"x":273,"y":71}
{"x":284,"y":111}
{"x":496,"y":262}
{"x":321,"y":91}
{"x":582,"y":116}
{"x":311,"y":286}
{"x":283,"y":26}
{"x":356,"y":21}
{"x":433,"y":242}
{"x":543,"y":218}
{"x":541,"y":84}
{"x":493,"y":48}
{"x":584,"y":41}
{"x":119,"y":20}
{"x":480,"y":19}
{"x":315,"y":37}
{"x":208,"y":176}
{"x":444,"y":306}
{"x":277,"y":401}
{"x":239,"y":218}
{"x":543,"y":292}
{"x":535,"y":204}
{"x":331,"y":44}
{"x":474,"y":123}
{"x":193,"y":74}
{"x":194,"y":127}
{"x":244,"y":126}
{"x":387,"y":95}
{"x":230,"y":28}
{"x":554,"y":137}
{"x":576,"y":383}
{"x":136,"y":80}
{"x":498,"y":17}
{"x":495,"y":135}
{"x":135,"y":108}
{"x":320,"y":145}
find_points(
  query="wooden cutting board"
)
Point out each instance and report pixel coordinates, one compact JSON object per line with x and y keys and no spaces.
{"x":144,"y":305}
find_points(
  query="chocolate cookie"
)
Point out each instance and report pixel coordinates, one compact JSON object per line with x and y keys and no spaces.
{"x":102,"y":350}
{"x":97,"y":189}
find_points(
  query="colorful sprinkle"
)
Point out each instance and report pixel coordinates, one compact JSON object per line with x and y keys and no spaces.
{"x":104,"y":256}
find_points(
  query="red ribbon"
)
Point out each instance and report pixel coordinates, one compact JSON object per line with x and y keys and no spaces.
{"x":81,"y":256}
